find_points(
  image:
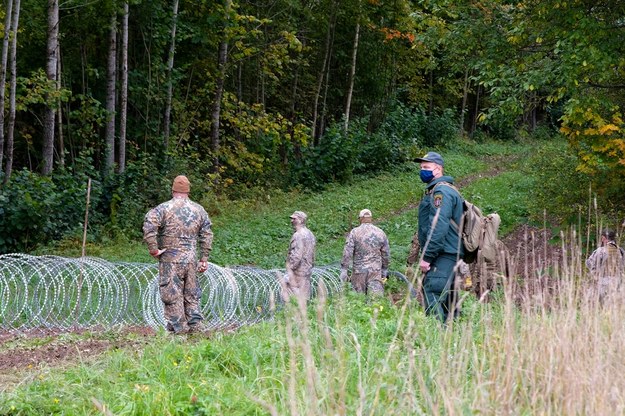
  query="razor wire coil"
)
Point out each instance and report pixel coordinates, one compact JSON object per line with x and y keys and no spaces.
{"x":52,"y":292}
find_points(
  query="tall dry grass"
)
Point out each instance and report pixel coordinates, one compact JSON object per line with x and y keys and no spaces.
{"x":543,"y":345}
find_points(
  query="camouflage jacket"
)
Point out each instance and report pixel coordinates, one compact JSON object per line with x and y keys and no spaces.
{"x":177,"y":226}
{"x":301,"y":257}
{"x":607,"y":261}
{"x":368,"y":247}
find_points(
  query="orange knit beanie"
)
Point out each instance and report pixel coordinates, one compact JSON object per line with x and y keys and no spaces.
{"x":181,"y":184}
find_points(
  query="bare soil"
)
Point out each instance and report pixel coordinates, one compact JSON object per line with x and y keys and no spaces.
{"x":34,"y":348}
{"x":23,"y":353}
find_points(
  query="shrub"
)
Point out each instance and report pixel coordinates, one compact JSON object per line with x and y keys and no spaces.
{"x":400,"y":137}
{"x":36,"y":209}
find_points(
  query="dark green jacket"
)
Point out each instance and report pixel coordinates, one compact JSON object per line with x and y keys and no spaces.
{"x":444,"y":239}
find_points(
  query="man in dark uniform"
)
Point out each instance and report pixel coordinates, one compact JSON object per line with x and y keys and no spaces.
{"x":172,"y":231}
{"x":440,"y":213}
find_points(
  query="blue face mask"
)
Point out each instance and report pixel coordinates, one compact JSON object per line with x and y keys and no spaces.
{"x":426,"y":175}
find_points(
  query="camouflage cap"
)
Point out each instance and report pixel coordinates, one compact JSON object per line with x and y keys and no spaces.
{"x":301,"y":215}
{"x":364,"y":213}
{"x":181,"y":184}
{"x":432,"y":157}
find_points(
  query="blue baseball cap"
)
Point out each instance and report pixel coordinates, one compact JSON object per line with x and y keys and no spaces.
{"x":432,"y":157}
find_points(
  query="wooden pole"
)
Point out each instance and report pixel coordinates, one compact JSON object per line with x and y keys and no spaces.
{"x":82,"y":254}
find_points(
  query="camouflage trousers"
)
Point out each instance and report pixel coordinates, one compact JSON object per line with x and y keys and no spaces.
{"x":180,"y":293}
{"x":299,"y":285}
{"x":368,"y":282}
{"x":607,"y":286}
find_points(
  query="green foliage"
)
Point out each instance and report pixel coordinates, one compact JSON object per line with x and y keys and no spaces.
{"x":38,"y":209}
{"x":594,"y":129}
{"x":509,"y":194}
{"x":37,"y":90}
{"x":401,"y":137}
{"x":88,"y":117}
{"x":334,"y":159}
{"x":553,"y":165}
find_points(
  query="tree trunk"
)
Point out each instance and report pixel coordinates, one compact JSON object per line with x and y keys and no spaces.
{"x":12,"y":92}
{"x":352,"y":73}
{"x":463,"y":107}
{"x":59,"y":110}
{"x":324,"y":102}
{"x":170,"y":68}
{"x":123,"y":110}
{"x":110,"y":95}
{"x":240,"y":81}
{"x":51,"y":67}
{"x":219,"y":90}
{"x":322,"y":73}
{"x":3,"y":73}
{"x":476,"y":111}
{"x":431,"y":88}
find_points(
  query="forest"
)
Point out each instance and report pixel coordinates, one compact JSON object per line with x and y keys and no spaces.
{"x":118,"y":97}
{"x":272,"y":106}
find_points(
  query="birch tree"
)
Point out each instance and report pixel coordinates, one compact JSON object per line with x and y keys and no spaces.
{"x":59,"y":110}
{"x":12,"y":91}
{"x":352,"y":75}
{"x":222,"y":59}
{"x":51,"y":72}
{"x":123,"y":110}
{"x":110,"y":94}
{"x":170,"y":68}
{"x":3,"y":72}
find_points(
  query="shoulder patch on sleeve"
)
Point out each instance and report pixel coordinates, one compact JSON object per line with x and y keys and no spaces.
{"x":438,"y":199}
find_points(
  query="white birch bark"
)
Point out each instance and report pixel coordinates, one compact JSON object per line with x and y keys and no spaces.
{"x":109,"y":133}
{"x":51,"y":68}
{"x":12,"y":91}
{"x":3,"y":71}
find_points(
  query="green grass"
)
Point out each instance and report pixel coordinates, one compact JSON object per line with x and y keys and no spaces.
{"x":351,"y":355}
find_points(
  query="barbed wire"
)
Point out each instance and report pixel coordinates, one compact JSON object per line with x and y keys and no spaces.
{"x":52,"y":292}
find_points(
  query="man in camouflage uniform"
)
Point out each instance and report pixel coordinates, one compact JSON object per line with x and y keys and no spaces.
{"x":300,"y":259}
{"x":607,"y":264}
{"x":368,"y":247}
{"x":172,"y":231}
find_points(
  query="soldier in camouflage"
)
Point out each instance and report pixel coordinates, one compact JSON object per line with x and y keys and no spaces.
{"x":300,"y":259}
{"x":172,"y":231}
{"x":607,"y":264}
{"x":368,"y":247}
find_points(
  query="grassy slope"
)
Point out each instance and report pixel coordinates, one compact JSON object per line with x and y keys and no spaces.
{"x":367,"y":356}
{"x":257,"y":232}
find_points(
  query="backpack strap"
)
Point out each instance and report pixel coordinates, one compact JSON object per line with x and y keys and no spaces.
{"x":451,"y":220}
